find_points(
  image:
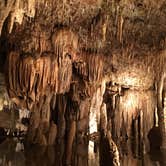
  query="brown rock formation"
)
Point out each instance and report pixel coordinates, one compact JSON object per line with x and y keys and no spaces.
{"x":68,"y":61}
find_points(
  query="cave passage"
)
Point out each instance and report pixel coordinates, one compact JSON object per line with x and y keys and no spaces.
{"x":83,"y":82}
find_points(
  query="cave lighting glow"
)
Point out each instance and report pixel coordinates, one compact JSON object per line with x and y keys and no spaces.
{"x":130,"y":80}
{"x":156,"y":117}
{"x":131,"y":101}
{"x":94,"y":120}
{"x":93,"y":127}
{"x":1,"y":104}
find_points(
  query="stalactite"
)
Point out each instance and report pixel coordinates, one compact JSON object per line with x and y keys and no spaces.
{"x":120,"y":28}
{"x":95,"y":68}
{"x":65,"y":42}
{"x":5,"y":10}
{"x":16,"y":11}
{"x":89,"y":67}
{"x":31,"y":78}
{"x":54,"y":77}
{"x":12,"y":61}
{"x":65,"y":74}
{"x":130,"y":118}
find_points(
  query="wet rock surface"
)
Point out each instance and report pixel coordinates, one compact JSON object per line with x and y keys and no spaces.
{"x":14,"y":153}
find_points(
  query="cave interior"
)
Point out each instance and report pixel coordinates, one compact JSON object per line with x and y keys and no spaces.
{"x":83,"y":82}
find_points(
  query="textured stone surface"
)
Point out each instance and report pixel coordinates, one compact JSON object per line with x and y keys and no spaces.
{"x":60,"y":56}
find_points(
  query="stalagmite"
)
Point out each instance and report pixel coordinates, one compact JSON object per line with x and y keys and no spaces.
{"x":114,"y":150}
{"x":70,"y":139}
{"x":52,"y":134}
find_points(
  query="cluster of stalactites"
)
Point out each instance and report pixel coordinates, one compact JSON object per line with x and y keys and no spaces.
{"x":15,"y":10}
{"x":29,"y":78}
{"x":90,"y":67}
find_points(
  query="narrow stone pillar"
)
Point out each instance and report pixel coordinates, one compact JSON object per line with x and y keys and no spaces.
{"x":161,"y":109}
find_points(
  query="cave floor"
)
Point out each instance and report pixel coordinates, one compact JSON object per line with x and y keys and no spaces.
{"x":13,"y":153}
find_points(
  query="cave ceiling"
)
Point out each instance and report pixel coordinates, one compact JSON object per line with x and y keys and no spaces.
{"x":133,"y":30}
{"x":99,"y":23}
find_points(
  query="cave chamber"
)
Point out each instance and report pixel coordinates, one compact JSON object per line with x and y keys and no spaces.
{"x":82,"y":82}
